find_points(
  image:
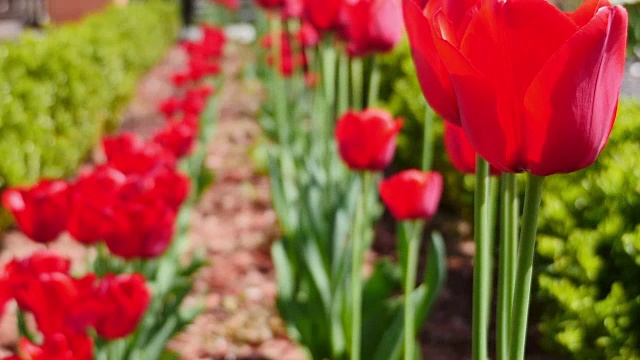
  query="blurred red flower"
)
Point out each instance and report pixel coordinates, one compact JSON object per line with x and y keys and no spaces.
{"x":177,"y":137}
{"x":92,"y":195}
{"x":123,"y":297}
{"x":130,"y":154}
{"x":41,"y":211}
{"x":412,"y":194}
{"x":56,"y":347}
{"x":367,"y":140}
{"x":323,"y":15}
{"x":372,"y":26}
{"x":143,"y":221}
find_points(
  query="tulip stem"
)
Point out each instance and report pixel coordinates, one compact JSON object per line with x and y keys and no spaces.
{"x":374,"y":83}
{"x":507,"y":266}
{"x":524,"y":266}
{"x":413,"y":250}
{"x":278,"y":86}
{"x":343,"y":85}
{"x":357,"y":84}
{"x":356,"y":266}
{"x":329,"y":58}
{"x":23,"y":329}
{"x":482,"y":263}
{"x":427,"y":139}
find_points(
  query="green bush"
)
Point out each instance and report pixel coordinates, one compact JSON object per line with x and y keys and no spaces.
{"x":59,"y":90}
{"x":589,"y":244}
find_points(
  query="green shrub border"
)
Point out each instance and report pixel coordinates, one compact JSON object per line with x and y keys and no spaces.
{"x":62,"y":88}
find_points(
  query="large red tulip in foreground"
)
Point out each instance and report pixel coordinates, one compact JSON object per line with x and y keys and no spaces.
{"x":537,"y":88}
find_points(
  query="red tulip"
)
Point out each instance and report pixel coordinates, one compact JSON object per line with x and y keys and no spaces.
{"x":41,"y":211}
{"x":172,"y":105}
{"x":461,"y":153}
{"x":210,"y":46}
{"x":293,"y":9}
{"x":367,"y":140}
{"x":177,"y":137}
{"x":41,"y":285}
{"x":412,"y":194}
{"x":131,"y":155}
{"x":144,"y":218}
{"x":323,"y":15}
{"x":92,"y":196}
{"x":56,"y":347}
{"x":195,"y":99}
{"x":20,"y":273}
{"x":170,"y":186}
{"x":123,"y":297}
{"x":542,"y":96}
{"x":372,"y":26}
{"x":432,"y":73}
{"x":308,"y":36}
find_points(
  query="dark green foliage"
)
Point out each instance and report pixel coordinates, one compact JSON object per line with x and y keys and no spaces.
{"x":59,"y":90}
{"x":589,"y":244}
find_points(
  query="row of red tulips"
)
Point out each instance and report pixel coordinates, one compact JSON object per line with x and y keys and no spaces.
{"x":130,"y":203}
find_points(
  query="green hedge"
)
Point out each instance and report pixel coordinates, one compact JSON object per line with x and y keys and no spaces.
{"x":59,"y":90}
{"x":589,"y":244}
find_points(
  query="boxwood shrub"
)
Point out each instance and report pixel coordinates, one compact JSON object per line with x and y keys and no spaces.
{"x":61,"y":88}
{"x":589,"y":245}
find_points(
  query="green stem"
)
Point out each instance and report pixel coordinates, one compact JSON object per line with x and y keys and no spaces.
{"x":524,"y":271}
{"x":427,"y":138}
{"x":374,"y":83}
{"x":482,"y":263}
{"x":357,"y":84}
{"x":508,"y":253}
{"x":356,"y":267}
{"x":329,"y":58}
{"x":413,"y":251}
{"x":278,"y":86}
{"x":23,"y":329}
{"x":343,"y":85}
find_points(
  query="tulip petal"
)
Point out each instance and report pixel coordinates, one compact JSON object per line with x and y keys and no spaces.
{"x":432,"y":73}
{"x":586,"y":11}
{"x":510,"y":41}
{"x":477,"y":99}
{"x":571,"y":105}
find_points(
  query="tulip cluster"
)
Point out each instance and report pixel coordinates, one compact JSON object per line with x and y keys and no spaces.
{"x":64,"y":307}
{"x":128,"y":205}
{"x":338,"y":40}
{"x":364,"y":27}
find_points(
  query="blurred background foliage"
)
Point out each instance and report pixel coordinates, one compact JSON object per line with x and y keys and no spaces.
{"x":61,"y":88}
{"x":589,"y":236}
